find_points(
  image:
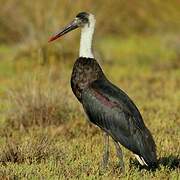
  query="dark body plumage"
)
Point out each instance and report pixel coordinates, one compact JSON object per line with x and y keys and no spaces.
{"x":111,"y":109}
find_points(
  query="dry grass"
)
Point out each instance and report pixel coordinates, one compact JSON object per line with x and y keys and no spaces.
{"x":33,"y":149}
{"x":38,"y":104}
{"x":44,"y":134}
{"x":152,"y":84}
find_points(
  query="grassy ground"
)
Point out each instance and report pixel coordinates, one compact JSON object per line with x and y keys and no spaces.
{"x":44,"y":134}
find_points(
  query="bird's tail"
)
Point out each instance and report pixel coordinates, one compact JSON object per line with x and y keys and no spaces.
{"x":140,"y":160}
{"x":147,"y":149}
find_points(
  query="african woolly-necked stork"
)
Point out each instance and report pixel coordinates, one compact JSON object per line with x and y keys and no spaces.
{"x":105,"y":104}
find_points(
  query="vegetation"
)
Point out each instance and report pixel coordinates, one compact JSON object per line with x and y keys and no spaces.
{"x":44,"y":133}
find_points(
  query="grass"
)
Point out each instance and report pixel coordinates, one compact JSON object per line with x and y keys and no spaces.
{"x":44,"y":133}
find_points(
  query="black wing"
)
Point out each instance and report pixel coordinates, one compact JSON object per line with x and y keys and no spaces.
{"x":112,"y":110}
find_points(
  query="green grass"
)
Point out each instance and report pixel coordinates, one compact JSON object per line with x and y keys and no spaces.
{"x":147,"y":68}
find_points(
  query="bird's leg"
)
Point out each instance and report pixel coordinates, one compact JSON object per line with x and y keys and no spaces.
{"x":106,"y":151}
{"x":120,"y":156}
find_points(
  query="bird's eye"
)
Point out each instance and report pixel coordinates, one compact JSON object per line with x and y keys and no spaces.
{"x":85,"y":20}
{"x":82,"y":21}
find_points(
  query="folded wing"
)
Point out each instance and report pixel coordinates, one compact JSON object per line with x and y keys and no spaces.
{"x":112,"y":110}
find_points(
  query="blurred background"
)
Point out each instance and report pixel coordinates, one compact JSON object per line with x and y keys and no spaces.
{"x":138,"y":45}
{"x":26,"y":26}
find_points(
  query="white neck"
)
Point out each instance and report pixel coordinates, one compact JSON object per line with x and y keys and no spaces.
{"x":86,"y":38}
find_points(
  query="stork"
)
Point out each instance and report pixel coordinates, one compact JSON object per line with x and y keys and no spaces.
{"x":106,"y":105}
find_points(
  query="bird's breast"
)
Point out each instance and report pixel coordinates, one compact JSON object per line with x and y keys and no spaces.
{"x":85,"y":71}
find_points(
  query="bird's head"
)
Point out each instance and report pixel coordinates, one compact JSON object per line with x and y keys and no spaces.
{"x":82,"y":19}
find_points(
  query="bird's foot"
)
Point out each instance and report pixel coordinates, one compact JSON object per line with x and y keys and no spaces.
{"x":104,"y":162}
{"x":122,"y":167}
{"x":106,"y":152}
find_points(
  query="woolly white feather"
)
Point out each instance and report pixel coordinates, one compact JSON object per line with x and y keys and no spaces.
{"x":86,"y":38}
